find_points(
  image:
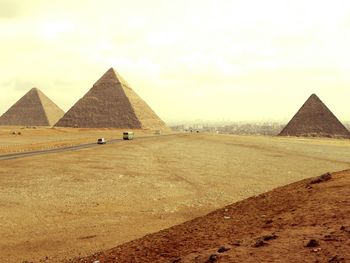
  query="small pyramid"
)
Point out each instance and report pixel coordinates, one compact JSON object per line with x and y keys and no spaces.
{"x":33,"y":109}
{"x":316,"y":120}
{"x":111,"y":103}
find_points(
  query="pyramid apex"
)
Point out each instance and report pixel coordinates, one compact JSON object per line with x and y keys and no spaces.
{"x":111,"y":75}
{"x":313,"y":95}
{"x":108,"y":76}
{"x":35,"y":90}
{"x":111,"y":70}
{"x":314,"y":99}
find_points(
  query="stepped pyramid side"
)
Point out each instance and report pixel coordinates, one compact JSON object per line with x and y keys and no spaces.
{"x":149,"y":119}
{"x":52,"y":111}
{"x":315,"y":119}
{"x":33,"y":109}
{"x":111,"y":103}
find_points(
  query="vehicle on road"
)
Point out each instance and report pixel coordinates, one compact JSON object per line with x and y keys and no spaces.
{"x":128,"y":135}
{"x":101,"y":141}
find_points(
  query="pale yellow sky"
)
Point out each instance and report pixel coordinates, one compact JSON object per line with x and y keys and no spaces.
{"x":201,"y":59}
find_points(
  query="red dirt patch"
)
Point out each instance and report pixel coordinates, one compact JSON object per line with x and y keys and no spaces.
{"x":301,"y":222}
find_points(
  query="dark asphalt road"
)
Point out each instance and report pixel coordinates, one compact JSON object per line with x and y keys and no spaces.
{"x":66,"y":149}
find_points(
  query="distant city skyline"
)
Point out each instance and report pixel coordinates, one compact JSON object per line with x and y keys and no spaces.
{"x":189,"y":60}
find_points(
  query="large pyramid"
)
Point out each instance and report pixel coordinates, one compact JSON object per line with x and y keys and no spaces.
{"x":111,"y":103}
{"x":315,"y":119}
{"x":33,"y":109}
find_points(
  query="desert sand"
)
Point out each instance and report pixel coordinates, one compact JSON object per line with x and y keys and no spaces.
{"x":307,"y":221}
{"x":60,"y":206}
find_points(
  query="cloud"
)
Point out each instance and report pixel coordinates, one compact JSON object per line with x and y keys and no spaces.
{"x":9,"y":9}
{"x":219,"y":53}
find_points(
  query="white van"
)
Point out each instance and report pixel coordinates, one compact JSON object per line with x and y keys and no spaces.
{"x":101,"y":141}
{"x":128,"y":135}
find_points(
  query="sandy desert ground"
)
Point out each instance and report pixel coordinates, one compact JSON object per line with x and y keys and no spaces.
{"x":306,"y":221}
{"x":58,"y":206}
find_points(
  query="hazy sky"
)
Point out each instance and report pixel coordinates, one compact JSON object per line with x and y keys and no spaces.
{"x":199,"y":59}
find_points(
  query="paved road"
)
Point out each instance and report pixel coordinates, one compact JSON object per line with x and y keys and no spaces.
{"x":65,"y":149}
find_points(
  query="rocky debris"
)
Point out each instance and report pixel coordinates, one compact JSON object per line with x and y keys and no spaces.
{"x":212,"y":258}
{"x":16,"y":133}
{"x":345,"y":229}
{"x":312,"y":243}
{"x":176,"y":260}
{"x":298,"y":215}
{"x":269,"y":221}
{"x":259,"y":243}
{"x":330,"y":238}
{"x":322,"y":178}
{"x":269,"y":237}
{"x":223,"y":249}
{"x":236,"y":243}
{"x":336,"y":259}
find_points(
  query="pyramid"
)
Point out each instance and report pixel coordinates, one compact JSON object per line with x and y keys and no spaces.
{"x":111,"y":103}
{"x":315,"y":119}
{"x":33,"y":109}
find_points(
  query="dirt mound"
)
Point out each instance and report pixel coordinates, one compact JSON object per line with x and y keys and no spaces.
{"x":314,"y":119}
{"x":33,"y":109}
{"x":308,"y":221}
{"x":111,"y":103}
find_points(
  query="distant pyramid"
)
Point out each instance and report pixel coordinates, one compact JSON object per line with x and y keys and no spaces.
{"x":315,"y":119}
{"x":33,"y":109}
{"x":111,"y":103}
